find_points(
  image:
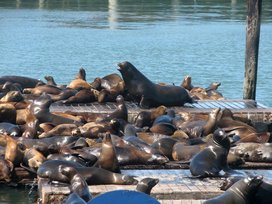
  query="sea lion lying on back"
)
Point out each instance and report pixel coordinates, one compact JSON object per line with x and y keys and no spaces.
{"x":149,"y":93}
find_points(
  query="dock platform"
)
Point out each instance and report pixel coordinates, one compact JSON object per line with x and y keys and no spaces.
{"x":249,"y":109}
{"x":175,"y":186}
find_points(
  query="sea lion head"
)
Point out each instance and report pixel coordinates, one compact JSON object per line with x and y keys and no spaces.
{"x":127,"y":70}
{"x":120,"y":99}
{"x":146,"y":185}
{"x":214,"y":113}
{"x":221,"y":138}
{"x":187,"y":82}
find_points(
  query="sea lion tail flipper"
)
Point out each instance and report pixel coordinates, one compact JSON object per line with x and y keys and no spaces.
{"x":31,"y":170}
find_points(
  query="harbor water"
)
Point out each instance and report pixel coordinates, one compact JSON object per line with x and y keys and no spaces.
{"x":166,"y":40}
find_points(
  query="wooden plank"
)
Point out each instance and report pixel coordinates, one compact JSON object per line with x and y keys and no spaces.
{"x":252,"y":47}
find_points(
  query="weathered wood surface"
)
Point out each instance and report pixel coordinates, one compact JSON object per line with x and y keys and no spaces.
{"x":252,"y":47}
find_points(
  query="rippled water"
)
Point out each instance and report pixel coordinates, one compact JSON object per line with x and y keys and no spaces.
{"x":166,"y":40}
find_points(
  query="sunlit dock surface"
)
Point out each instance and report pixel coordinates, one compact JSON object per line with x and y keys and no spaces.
{"x":250,"y":109}
{"x":175,"y":186}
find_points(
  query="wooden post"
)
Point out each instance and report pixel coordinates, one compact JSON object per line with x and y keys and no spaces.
{"x":252,"y":47}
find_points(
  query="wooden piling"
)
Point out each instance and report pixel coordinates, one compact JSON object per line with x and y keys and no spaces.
{"x":252,"y":47}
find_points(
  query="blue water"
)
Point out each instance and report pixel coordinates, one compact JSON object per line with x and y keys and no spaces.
{"x":166,"y":40}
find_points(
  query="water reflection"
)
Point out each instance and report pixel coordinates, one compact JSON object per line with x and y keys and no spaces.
{"x":133,"y":11}
{"x":113,"y":14}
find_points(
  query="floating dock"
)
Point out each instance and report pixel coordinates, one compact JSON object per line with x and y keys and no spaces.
{"x":175,"y":186}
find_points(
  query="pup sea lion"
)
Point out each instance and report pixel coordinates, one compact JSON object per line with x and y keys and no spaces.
{"x":211,"y":160}
{"x":50,"y":80}
{"x":146,"y":185}
{"x":78,"y":184}
{"x":242,"y":192}
{"x":149,"y":93}
{"x":62,"y":130}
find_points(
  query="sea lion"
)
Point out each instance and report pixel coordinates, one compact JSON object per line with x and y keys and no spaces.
{"x":10,"y":129}
{"x":6,"y":167}
{"x":94,"y":176}
{"x":8,"y":86}
{"x":163,"y":128}
{"x":78,"y":184}
{"x":50,"y":80}
{"x":25,"y":82}
{"x":33,"y":158}
{"x":58,"y":141}
{"x":62,"y":130}
{"x":14,"y":151}
{"x":165,"y":146}
{"x":148,"y":93}
{"x":82,"y":96}
{"x":12,"y":96}
{"x":146,"y":118}
{"x":40,"y":109}
{"x":246,"y":132}
{"x":146,"y":185}
{"x":211,"y":160}
{"x":63,"y":95}
{"x":39,"y":90}
{"x":130,"y":135}
{"x":107,"y":158}
{"x":120,"y":112}
{"x":242,"y":192}
{"x":253,"y":152}
{"x":167,"y":118}
{"x":8,"y":113}
{"x":187,"y":83}
{"x":201,"y":128}
{"x":129,"y":154}
{"x":80,"y":81}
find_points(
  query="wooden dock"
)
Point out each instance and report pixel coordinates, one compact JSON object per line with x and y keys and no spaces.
{"x":175,"y":186}
{"x":249,"y":109}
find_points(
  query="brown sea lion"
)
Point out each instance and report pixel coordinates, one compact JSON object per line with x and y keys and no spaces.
{"x":201,"y":128}
{"x":14,"y":151}
{"x":146,"y":118}
{"x":92,"y":175}
{"x":120,"y":112}
{"x":129,"y":154}
{"x":148,"y":93}
{"x":12,"y":96}
{"x":242,"y":192}
{"x":7,"y":113}
{"x":82,"y":96}
{"x":33,"y":158}
{"x":187,"y":83}
{"x":107,"y":158}
{"x":253,"y":152}
{"x":6,"y":167}
{"x":246,"y":132}
{"x":25,"y":82}
{"x":80,"y":81}
{"x":78,"y":184}
{"x":39,"y":90}
{"x":64,"y":94}
{"x":50,"y":80}
{"x":62,"y":130}
{"x":40,"y":109}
